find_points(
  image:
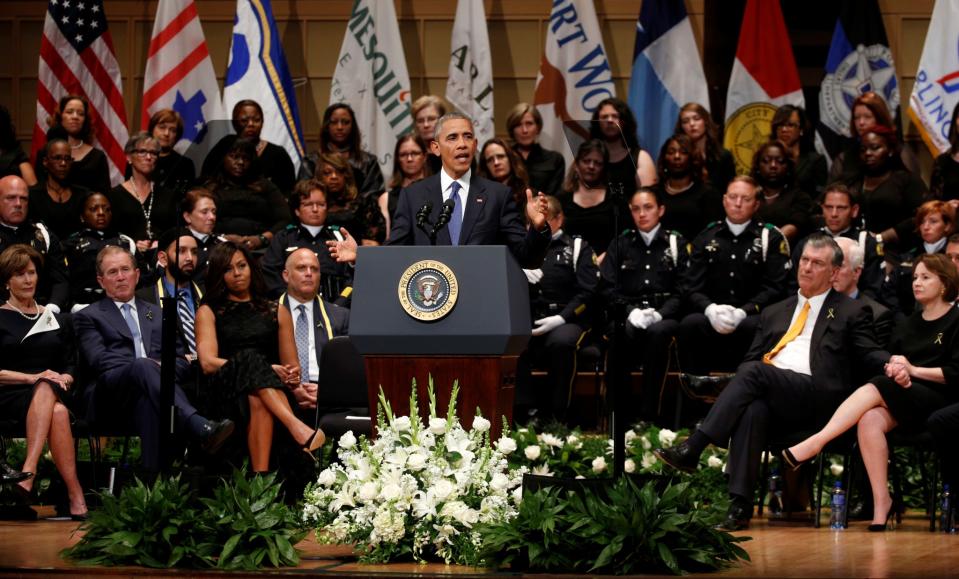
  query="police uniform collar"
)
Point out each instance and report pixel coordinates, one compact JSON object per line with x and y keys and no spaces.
{"x":649,"y":238}
{"x":309,"y":229}
{"x":829,"y":232}
{"x":201,"y":237}
{"x":8,"y":226}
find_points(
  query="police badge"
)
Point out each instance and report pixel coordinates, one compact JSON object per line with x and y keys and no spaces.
{"x":428,"y":290}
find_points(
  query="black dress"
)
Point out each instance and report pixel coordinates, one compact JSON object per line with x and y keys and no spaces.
{"x":718,"y":172}
{"x":63,"y":218}
{"x":690,"y":211}
{"x":892,"y":204}
{"x":11,"y":160}
{"x":944,"y":183}
{"x":791,"y":207}
{"x":929,"y":344}
{"x":130,"y":216}
{"x":50,"y":350}
{"x":597,"y":225}
{"x":250,"y":209}
{"x":360,"y":216}
{"x":92,"y":171}
{"x":174,"y":171}
{"x":247,"y":337}
{"x":546,"y":169}
{"x":811,"y":173}
{"x":621,"y":176}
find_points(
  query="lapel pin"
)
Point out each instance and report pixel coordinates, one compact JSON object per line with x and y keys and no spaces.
{"x":830,"y":314}
{"x":938,"y":338}
{"x":150,"y":315}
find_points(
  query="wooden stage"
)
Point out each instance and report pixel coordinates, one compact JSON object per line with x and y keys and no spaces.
{"x":30,"y":549}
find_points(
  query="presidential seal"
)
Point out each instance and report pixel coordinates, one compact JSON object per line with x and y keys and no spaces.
{"x":428,"y":290}
{"x":747,"y":129}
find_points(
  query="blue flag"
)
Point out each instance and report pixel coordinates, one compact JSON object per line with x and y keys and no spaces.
{"x":667,"y":72}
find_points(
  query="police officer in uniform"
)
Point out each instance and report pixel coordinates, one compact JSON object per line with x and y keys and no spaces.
{"x":561,"y":301}
{"x":81,"y":248}
{"x":642,"y":272}
{"x":53,"y":290}
{"x":308,"y":204}
{"x":737,"y":267}
{"x":840,"y":209}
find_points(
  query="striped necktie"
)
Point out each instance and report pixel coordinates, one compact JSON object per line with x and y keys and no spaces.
{"x":185,"y":312}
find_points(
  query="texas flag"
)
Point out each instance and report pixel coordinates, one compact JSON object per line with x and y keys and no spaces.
{"x":764,"y":78}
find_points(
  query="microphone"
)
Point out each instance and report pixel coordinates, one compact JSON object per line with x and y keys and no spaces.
{"x":445,"y":214}
{"x":423,"y":215}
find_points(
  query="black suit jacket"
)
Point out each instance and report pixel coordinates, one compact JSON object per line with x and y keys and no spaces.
{"x":882,"y":319}
{"x":843,"y":344}
{"x":491,"y":218}
{"x":339,"y":320}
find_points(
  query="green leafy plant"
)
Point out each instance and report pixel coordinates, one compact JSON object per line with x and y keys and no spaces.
{"x":622,"y":529}
{"x":243,"y":526}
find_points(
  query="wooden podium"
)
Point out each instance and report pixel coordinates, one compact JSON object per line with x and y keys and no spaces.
{"x":453,"y":313}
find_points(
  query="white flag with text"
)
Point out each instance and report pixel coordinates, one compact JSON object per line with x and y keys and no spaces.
{"x":470,"y":84}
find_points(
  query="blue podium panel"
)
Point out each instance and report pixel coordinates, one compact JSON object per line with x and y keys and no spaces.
{"x":398,"y":289}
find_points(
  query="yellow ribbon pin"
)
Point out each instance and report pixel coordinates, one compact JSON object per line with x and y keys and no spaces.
{"x":831,"y":314}
{"x":938,"y":339}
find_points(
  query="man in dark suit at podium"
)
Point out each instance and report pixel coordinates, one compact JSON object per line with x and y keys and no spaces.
{"x":481,"y":212}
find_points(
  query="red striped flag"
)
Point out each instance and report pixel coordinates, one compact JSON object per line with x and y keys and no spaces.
{"x":77,"y":57}
{"x":179,"y":73}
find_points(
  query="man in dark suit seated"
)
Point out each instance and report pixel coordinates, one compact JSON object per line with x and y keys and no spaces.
{"x":847,"y":282}
{"x":176,"y":278}
{"x":120,"y":338}
{"x":315,"y":321}
{"x":798,"y":370}
{"x":483,"y":212}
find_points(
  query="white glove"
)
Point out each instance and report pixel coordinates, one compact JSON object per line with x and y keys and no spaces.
{"x":637,"y":319}
{"x":548,"y":324}
{"x":653,"y":317}
{"x":77,"y":307}
{"x":720,"y":318}
{"x":533,"y":276}
{"x":737,"y":315}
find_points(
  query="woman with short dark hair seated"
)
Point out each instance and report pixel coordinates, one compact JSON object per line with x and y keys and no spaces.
{"x":38,"y":357}
{"x":245,"y":345}
{"x":689,"y":203}
{"x":920,"y":379}
{"x":55,"y":200}
{"x":783,"y":203}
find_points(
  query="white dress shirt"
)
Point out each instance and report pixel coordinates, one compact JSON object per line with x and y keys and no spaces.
{"x":795,"y":355}
{"x":446,"y":181}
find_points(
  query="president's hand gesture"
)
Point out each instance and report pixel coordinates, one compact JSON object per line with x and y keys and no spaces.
{"x":536,"y":209}
{"x":343,"y":251}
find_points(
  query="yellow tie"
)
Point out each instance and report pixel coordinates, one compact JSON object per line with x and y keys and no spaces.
{"x":790,"y":335}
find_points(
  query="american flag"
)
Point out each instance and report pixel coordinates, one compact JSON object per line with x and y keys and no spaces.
{"x":77,"y":57}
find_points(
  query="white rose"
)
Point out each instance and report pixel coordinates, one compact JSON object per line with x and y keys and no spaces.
{"x":630,"y":465}
{"x":368,"y":492}
{"x":480,"y":424}
{"x":532,"y":452}
{"x":572,"y":440}
{"x":327,"y":478}
{"x":437,"y":425}
{"x":542,"y":470}
{"x":499,"y":481}
{"x":442,"y":490}
{"x":630,"y":436}
{"x":518,"y":494}
{"x":506,"y":445}
{"x":402,"y":423}
{"x":599,"y":464}
{"x":835,"y":469}
{"x":667,"y":437}
{"x":714,"y":462}
{"x":390,"y":491}
{"x":649,"y":459}
{"x":551,"y":440}
{"x":416,"y":461}
{"x":646,"y":443}
{"x":348,"y":441}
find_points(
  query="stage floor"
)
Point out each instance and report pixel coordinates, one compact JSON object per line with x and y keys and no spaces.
{"x":30,"y":549}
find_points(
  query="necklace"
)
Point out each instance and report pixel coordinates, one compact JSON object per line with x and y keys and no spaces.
{"x":674,"y":191}
{"x":27,"y":316}
{"x":75,"y":147}
{"x":59,"y":194}
{"x":147,"y":208}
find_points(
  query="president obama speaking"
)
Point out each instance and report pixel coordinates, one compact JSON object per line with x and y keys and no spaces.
{"x":475,"y":211}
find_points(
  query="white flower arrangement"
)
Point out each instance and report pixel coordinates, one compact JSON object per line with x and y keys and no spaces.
{"x":418,"y":490}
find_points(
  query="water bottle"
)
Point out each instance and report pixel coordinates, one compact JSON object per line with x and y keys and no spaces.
{"x":947,"y":520}
{"x":837,"y":517}
{"x":775,"y":500}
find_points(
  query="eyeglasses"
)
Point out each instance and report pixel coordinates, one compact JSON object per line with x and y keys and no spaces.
{"x":146,"y":152}
{"x":410,"y":155}
{"x":61,"y":158}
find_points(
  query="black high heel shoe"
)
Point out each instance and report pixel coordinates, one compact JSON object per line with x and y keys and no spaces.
{"x":893,"y":510}
{"x":315,"y":441}
{"x":791,"y":461}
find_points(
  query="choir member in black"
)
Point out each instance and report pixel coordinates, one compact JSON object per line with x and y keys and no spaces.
{"x":919,"y":379}
{"x":869,"y":112}
{"x":840,"y":210}
{"x":81,"y":248}
{"x":629,"y":167}
{"x":272,"y":161}
{"x":90,"y":167}
{"x":409,"y":166}
{"x":952,"y":249}
{"x":546,"y":169}
{"x":643,"y":269}
{"x":497,"y":162}
{"x":340,"y":135}
{"x":888,"y":193}
{"x":13,"y":161}
{"x":38,"y":360}
{"x":591,"y":210}
{"x":944,"y":183}
{"x":173,"y":170}
{"x":561,"y":305}
{"x":689,"y":203}
{"x":935,"y":221}
{"x":791,"y":128}
{"x":718,"y":165}
{"x":199,"y":215}
{"x":142,"y":208}
{"x":783,"y":203}
{"x":737,"y":267}
{"x":308,"y":205}
{"x":426,"y":110}
{"x":346,"y":206}
{"x":16,"y":226}
{"x":249,"y":208}
{"x":55,"y":200}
